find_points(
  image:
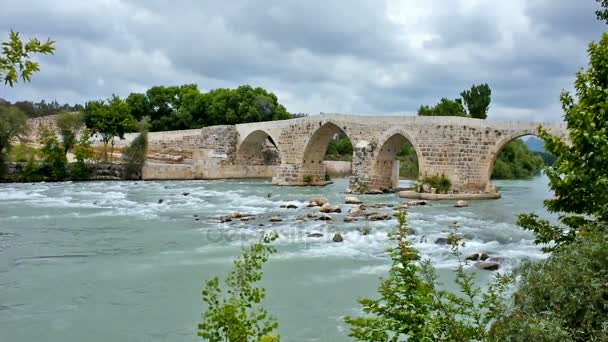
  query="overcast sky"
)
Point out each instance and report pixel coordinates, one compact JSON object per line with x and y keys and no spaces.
{"x":360,"y":57}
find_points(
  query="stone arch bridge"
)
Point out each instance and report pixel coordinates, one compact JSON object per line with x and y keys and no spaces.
{"x":462,"y":149}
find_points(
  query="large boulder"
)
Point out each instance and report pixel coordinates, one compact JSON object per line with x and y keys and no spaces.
{"x":488,"y":265}
{"x":352,"y":200}
{"x":355,"y":211}
{"x":312,"y":215}
{"x":379,"y":217}
{"x":417,"y":202}
{"x":477,"y":257}
{"x":441,"y":241}
{"x":317,"y":202}
{"x":324,"y":217}
{"x":461,"y":204}
{"x":276,"y":219}
{"x":338,"y":237}
{"x":328,"y":208}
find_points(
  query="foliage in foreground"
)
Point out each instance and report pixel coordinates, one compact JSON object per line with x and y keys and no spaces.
{"x":235,"y":314}
{"x":579,"y":177}
{"x":564,"y":298}
{"x":15,"y":60}
{"x":412,"y":307}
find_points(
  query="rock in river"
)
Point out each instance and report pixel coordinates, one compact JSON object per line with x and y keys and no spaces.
{"x":276,"y":219}
{"x":338,"y":237}
{"x":328,"y":208}
{"x":488,"y":265}
{"x":441,"y":241}
{"x":314,"y":235}
{"x":317,"y":202}
{"x":352,"y":200}
{"x":324,"y":217}
{"x":461,"y":204}
{"x":477,"y":257}
{"x":417,"y":202}
{"x":379,"y":217}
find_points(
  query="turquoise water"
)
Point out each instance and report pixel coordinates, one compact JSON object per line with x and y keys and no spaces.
{"x":104,"y":261}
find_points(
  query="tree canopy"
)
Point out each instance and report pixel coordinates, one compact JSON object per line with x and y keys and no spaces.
{"x":16,"y":61}
{"x":185,"y":107}
{"x":477,"y":100}
{"x":474,"y":103}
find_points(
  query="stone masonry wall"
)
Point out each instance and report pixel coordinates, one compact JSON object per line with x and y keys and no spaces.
{"x":462,"y":149}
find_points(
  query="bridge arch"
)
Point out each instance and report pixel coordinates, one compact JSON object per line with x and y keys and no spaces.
{"x":386,"y":169}
{"x":498,"y":148}
{"x":258,"y":148}
{"x":313,"y":155}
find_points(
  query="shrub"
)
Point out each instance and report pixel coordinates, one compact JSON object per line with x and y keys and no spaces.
{"x":134,"y":156}
{"x":23,"y":153}
{"x":307,"y":179}
{"x":236,"y":315}
{"x":84,"y":154}
{"x":53,"y":156}
{"x":441,"y":183}
{"x":565,"y":294}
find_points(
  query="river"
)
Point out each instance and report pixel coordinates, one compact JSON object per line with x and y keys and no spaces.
{"x":105,"y":261}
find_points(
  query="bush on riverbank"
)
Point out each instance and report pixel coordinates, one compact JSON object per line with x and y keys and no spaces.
{"x":134,"y":156}
{"x":565,"y":296}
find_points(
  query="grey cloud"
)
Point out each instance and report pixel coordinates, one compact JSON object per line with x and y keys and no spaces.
{"x":319,"y":56}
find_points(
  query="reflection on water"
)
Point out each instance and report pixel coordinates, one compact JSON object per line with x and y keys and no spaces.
{"x":106,"y":261}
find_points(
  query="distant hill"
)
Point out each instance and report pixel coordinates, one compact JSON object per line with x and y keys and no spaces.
{"x":534,"y":144}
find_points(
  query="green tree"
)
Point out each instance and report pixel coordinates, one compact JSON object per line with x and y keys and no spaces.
{"x":579,"y":176}
{"x":84,"y":154}
{"x":445,"y":107}
{"x":13,"y":123}
{"x":16,"y":61}
{"x":110,"y":119}
{"x":54,"y":161}
{"x":477,"y":100}
{"x":68,"y":124}
{"x":139,"y":106}
{"x":236,"y":315}
{"x":602,"y":14}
